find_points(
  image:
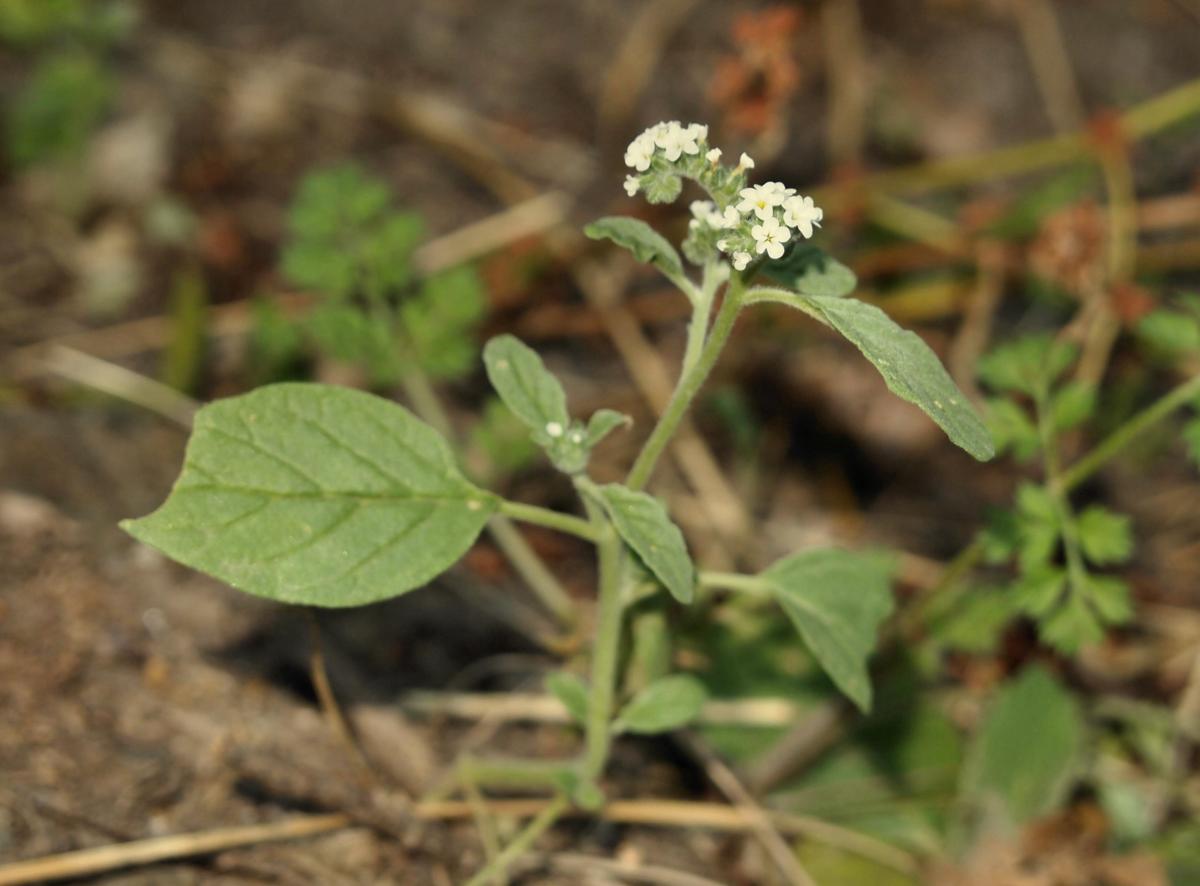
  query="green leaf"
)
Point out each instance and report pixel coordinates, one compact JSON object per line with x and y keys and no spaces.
{"x":642,"y":521}
{"x":1071,"y":626}
{"x":1028,"y":365}
{"x":810,"y":271}
{"x":646,"y":244}
{"x":664,"y":705}
{"x":1170,"y":335}
{"x":527,"y":387}
{"x":1191,"y":436}
{"x":911,"y":370}
{"x":319,"y":495}
{"x":1109,"y":597}
{"x":1104,"y":536}
{"x":1039,"y":592}
{"x":1012,"y":428}
{"x":1026,"y":754}
{"x":572,"y":692}
{"x":1072,"y":404}
{"x":603,"y":422}
{"x":974,"y":624}
{"x":837,"y":601}
{"x":440,"y":320}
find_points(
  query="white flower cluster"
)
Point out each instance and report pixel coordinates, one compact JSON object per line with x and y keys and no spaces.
{"x":744,"y":221}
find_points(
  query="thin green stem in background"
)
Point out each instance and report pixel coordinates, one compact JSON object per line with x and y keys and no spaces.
{"x":522,"y":842}
{"x":1112,"y":445}
{"x":688,"y":386}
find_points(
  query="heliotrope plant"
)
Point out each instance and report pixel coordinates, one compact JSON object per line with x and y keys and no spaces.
{"x":325,"y":496}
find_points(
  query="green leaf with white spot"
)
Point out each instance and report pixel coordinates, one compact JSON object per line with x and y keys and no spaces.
{"x":912,"y":371}
{"x":318,"y":495}
{"x":646,"y":244}
{"x":572,"y":692}
{"x":811,"y":271}
{"x":643,"y":523}
{"x":1104,"y":536}
{"x":665,"y":704}
{"x":527,"y":387}
{"x":1011,"y":778}
{"x":836,"y":600}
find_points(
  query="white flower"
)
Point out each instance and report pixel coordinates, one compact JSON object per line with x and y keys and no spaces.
{"x":769,"y":237}
{"x":731,"y":218}
{"x":740,"y":260}
{"x":801,"y":214}
{"x":554,"y":429}
{"x":723,"y":245}
{"x":676,"y":140}
{"x":640,"y":152}
{"x":706,"y":211}
{"x":745,"y":162}
{"x":777,"y":188}
{"x":713,"y":156}
{"x":761,"y":200}
{"x":631,"y":184}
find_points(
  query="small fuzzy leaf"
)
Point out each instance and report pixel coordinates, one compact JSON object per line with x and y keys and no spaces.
{"x":810,"y":271}
{"x":646,"y":244}
{"x":1018,"y":774}
{"x":665,"y":704}
{"x":572,"y":692}
{"x":909,"y":367}
{"x":319,"y":495}
{"x":527,"y":387}
{"x":1072,"y":404}
{"x":836,"y":600}
{"x":603,"y":422}
{"x":1104,"y":536}
{"x":642,"y":521}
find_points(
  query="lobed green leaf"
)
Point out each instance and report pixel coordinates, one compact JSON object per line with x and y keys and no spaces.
{"x":319,"y":495}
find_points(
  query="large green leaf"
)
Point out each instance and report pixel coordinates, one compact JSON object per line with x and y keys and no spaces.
{"x":646,"y":244}
{"x":836,"y":600}
{"x":664,"y":705}
{"x":527,"y":387}
{"x":316,"y":494}
{"x":912,"y":371}
{"x":1024,"y":756}
{"x":642,"y":521}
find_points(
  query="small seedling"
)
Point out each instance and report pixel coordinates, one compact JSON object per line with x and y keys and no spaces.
{"x":325,"y":496}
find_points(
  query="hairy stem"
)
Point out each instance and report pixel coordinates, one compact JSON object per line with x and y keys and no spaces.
{"x":607,"y":642}
{"x":1108,"y":448}
{"x":689,"y":384}
{"x":540,"y":516}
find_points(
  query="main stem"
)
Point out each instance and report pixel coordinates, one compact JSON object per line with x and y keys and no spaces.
{"x":606,"y":646}
{"x":689,"y":384}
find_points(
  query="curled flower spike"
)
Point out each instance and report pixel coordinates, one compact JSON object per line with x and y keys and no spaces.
{"x":676,"y":140}
{"x":801,"y":214}
{"x":769,"y":237}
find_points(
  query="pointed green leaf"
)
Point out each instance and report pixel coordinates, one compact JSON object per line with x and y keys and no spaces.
{"x":642,"y":521}
{"x":1016,"y":774}
{"x":836,"y":600}
{"x":810,"y":271}
{"x":527,"y":387}
{"x":572,"y":692}
{"x":315,"y":494}
{"x":603,"y":422}
{"x":646,"y":244}
{"x":1072,"y":404}
{"x":912,"y":371}
{"x":664,"y":705}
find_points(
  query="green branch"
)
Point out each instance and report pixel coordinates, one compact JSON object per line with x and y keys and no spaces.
{"x":540,"y":516}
